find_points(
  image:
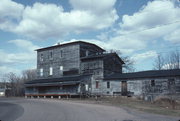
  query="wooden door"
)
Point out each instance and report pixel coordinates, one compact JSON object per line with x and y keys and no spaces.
{"x":124,"y":88}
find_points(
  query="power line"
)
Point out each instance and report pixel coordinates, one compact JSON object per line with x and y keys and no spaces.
{"x":150,"y":28}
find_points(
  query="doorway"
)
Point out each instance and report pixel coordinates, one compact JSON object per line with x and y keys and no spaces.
{"x":124,"y":88}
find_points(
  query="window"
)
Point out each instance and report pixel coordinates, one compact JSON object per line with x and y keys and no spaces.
{"x":61,"y":53}
{"x":41,"y":72}
{"x":51,"y":54}
{"x":152,"y":83}
{"x":61,"y":70}
{"x":87,"y":52}
{"x":97,"y":84}
{"x":41,"y":57}
{"x":50,"y":71}
{"x":171,"y":83}
{"x":108,"y":84}
{"x":86,"y":87}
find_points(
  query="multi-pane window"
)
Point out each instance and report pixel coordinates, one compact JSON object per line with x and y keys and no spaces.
{"x":41,"y":72}
{"x":50,"y":71}
{"x":108,"y":84}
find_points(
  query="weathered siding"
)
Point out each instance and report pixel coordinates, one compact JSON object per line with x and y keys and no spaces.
{"x":112,"y":65}
{"x":70,"y":60}
{"x":145,"y":89}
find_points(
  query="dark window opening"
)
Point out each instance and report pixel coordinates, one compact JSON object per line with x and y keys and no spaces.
{"x":152,"y":83}
{"x":171,"y":83}
{"x":51,"y":54}
{"x":97,"y":84}
{"x":41,"y":57}
{"x":61,"y":53}
{"x":108,"y":84}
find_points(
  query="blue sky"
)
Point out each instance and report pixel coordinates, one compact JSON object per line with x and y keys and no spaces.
{"x":141,"y":29}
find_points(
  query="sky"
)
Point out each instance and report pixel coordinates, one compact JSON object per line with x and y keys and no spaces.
{"x":140,"y":29}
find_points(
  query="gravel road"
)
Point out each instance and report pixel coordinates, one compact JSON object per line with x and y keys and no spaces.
{"x":19,"y":109}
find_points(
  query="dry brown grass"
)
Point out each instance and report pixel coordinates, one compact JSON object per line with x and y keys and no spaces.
{"x":160,"y":106}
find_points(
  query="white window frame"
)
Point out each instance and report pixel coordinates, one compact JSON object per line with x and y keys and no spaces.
{"x":41,"y":71}
{"x":51,"y":71}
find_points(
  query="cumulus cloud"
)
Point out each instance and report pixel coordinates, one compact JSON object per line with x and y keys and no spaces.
{"x":156,"y":19}
{"x":50,"y":20}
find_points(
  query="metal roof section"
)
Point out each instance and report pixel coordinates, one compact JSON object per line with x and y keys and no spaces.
{"x":91,"y":57}
{"x":66,"y":80}
{"x":144,"y":74}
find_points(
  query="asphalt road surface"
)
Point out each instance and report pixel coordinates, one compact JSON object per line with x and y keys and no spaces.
{"x":14,"y":109}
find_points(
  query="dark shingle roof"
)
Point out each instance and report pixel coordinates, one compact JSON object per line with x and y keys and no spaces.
{"x":144,"y":74}
{"x":70,"y":43}
{"x":55,"y":81}
{"x":90,"y":57}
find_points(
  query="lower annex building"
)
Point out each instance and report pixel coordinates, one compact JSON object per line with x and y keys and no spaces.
{"x":82,"y":68}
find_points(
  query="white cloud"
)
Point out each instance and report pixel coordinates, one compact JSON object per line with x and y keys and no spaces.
{"x":144,"y":56}
{"x":25,"y":44}
{"x":27,"y":54}
{"x":6,"y":69}
{"x":16,"y":57}
{"x":49,"y":20}
{"x":155,"y":20}
{"x":10,"y":13}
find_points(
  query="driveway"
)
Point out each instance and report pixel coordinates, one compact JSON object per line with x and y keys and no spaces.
{"x":19,"y":109}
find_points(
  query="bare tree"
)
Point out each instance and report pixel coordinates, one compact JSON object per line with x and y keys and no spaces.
{"x":159,"y":62}
{"x":129,"y":64}
{"x":28,"y":75}
{"x":173,"y":60}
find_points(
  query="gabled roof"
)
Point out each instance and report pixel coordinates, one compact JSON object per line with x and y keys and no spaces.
{"x":70,"y":43}
{"x":66,"y":80}
{"x":90,"y":57}
{"x":144,"y":74}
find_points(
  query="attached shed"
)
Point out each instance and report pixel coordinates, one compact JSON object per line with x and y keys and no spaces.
{"x":148,"y":84}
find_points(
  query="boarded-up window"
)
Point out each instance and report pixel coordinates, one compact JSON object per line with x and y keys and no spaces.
{"x":152,"y":83}
{"x":108,"y":84}
{"x":41,"y":72}
{"x":50,"y":71}
{"x":97,"y":84}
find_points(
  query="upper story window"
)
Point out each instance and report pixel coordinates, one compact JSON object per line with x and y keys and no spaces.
{"x":87,"y":52}
{"x":108,"y":84}
{"x":51,"y":55}
{"x":41,"y":57}
{"x":50,"y":71}
{"x":61,"y":53}
{"x":97,"y":84}
{"x":41,"y":72}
